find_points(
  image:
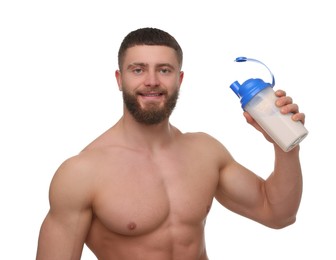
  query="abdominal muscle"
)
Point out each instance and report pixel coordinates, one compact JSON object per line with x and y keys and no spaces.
{"x":165,"y":242}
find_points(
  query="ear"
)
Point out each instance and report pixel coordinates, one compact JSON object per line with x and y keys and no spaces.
{"x":181,"y":78}
{"x":118,"y":78}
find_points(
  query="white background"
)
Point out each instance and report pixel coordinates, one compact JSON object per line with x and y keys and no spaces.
{"x":58,"y":93}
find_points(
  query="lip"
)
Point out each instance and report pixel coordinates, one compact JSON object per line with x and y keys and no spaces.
{"x":151,"y":95}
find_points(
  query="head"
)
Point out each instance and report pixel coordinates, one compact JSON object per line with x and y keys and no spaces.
{"x":149,"y":75}
{"x":149,"y":36}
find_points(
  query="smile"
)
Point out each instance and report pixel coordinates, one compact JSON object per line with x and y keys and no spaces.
{"x":151,"y":94}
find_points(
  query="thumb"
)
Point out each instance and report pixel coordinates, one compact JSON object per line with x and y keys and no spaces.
{"x":251,"y":121}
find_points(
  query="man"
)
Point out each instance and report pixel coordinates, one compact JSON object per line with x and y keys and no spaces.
{"x":143,"y":189}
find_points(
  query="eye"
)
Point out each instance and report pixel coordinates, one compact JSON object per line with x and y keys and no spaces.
{"x":164,"y":70}
{"x":137,"y":71}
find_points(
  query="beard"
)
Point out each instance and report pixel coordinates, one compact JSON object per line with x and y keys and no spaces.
{"x":153,"y":114}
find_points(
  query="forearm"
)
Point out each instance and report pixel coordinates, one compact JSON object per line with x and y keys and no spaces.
{"x":284,"y":186}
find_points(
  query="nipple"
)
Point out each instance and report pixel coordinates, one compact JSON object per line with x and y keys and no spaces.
{"x":131,"y":226}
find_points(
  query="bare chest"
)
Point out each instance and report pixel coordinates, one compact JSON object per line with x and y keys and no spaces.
{"x":140,"y":195}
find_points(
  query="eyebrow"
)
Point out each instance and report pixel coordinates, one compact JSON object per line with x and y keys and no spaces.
{"x":142,"y":64}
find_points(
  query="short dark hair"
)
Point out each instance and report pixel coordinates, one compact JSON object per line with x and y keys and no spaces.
{"x":149,"y":36}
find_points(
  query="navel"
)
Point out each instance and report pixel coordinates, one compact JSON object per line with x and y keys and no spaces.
{"x":131,"y":226}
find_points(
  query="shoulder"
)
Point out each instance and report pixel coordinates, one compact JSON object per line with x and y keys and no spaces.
{"x":74,"y":177}
{"x":82,"y":165}
{"x":205,"y":143}
{"x":76,"y":165}
{"x":202,"y":138}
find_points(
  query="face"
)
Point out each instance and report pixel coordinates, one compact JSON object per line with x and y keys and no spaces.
{"x":150,"y":80}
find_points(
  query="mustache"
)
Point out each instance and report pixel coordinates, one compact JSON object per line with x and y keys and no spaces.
{"x":149,"y":91}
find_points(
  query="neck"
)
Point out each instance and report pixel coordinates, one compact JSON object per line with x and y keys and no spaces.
{"x":146,"y":136}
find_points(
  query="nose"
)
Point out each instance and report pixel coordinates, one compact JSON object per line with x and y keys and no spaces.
{"x":152,"y":79}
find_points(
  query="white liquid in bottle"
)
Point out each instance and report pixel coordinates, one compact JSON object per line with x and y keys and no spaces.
{"x":286,"y":132}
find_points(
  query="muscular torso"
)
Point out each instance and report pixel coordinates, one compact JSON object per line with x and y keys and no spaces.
{"x":151,"y":205}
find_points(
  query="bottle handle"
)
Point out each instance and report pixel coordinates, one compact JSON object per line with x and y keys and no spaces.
{"x":244,"y":59}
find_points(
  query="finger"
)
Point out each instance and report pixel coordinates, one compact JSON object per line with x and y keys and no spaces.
{"x":289,"y":108}
{"x":248,"y":117}
{"x":299,"y":117}
{"x":280,"y":93}
{"x":283,"y":101}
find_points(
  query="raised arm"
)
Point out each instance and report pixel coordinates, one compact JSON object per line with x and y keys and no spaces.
{"x":65,"y":227}
{"x":273,"y":202}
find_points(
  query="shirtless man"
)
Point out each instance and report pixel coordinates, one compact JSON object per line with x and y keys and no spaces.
{"x":143,"y":189}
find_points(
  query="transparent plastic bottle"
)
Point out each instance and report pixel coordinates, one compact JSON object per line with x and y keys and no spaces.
{"x":258,"y":99}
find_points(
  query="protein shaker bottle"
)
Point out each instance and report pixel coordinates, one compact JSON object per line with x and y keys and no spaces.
{"x":258,"y":99}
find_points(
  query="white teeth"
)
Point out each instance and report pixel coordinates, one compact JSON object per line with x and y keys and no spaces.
{"x":151,"y":95}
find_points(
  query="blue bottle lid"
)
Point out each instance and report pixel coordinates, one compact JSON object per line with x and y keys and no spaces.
{"x":250,"y":87}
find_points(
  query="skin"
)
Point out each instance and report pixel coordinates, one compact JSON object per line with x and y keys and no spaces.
{"x":144,"y":191}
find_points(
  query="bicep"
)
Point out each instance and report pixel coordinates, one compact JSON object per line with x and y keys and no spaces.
{"x":65,"y":227}
{"x":241,"y":191}
{"x":62,"y":239}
